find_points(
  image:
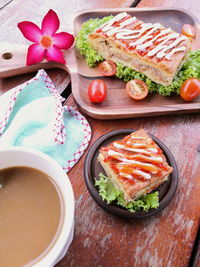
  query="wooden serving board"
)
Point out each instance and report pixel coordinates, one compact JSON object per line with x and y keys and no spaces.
{"x":117,"y":104}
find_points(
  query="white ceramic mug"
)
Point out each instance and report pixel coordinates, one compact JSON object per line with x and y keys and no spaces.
{"x":18,"y":156}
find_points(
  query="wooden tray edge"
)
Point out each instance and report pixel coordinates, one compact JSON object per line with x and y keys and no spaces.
{"x":137,"y":9}
{"x":138,"y":114}
{"x":164,"y":110}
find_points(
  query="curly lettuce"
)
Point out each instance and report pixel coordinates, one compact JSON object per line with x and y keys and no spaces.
{"x":91,"y":56}
{"x":191,"y":68}
{"x":111,"y":194}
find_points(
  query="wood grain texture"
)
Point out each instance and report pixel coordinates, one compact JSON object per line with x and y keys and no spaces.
{"x":163,"y":240}
{"x":81,"y":74}
{"x":13,"y":61}
{"x":192,"y":6}
{"x":65,"y":10}
{"x":112,"y":108}
{"x":118,"y":104}
{"x":59,"y":77}
{"x":101,"y":239}
{"x":23,"y":10}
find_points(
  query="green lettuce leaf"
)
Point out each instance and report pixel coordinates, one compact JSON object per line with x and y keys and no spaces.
{"x":110,"y":194}
{"x":91,"y":56}
{"x":191,"y":68}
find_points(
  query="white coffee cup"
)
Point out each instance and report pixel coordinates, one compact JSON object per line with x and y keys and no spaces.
{"x":18,"y":156}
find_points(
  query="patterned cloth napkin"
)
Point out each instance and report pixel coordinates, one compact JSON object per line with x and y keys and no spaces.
{"x":32,"y":115}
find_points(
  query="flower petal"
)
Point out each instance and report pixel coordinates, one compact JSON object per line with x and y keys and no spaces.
{"x":50,"y":23}
{"x":63,"y":40}
{"x":36,"y":54}
{"x":30,"y":31}
{"x":54,"y":54}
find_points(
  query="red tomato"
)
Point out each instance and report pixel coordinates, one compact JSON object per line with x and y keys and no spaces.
{"x":97,"y":91}
{"x":190,"y":89}
{"x":188,"y":30}
{"x":137,"y":89}
{"x":107,"y":68}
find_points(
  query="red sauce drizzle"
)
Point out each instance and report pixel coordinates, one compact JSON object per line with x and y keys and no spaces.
{"x":128,"y":168}
{"x":137,"y":25}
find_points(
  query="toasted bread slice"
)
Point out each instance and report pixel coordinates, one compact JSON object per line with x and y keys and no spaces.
{"x":135,"y":164}
{"x":151,"y":49}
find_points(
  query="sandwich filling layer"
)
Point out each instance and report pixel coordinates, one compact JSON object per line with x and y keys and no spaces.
{"x":156,"y":51}
{"x":135,"y":164}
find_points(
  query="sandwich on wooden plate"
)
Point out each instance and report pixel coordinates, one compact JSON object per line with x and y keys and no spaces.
{"x":151,"y":49}
{"x":134,"y":50}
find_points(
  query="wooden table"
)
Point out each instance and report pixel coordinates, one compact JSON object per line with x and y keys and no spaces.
{"x":101,"y":239}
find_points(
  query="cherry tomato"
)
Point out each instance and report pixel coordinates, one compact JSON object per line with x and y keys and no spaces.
{"x":137,"y":89}
{"x":107,"y":68}
{"x":97,"y":91}
{"x":190,"y":89}
{"x":188,"y":30}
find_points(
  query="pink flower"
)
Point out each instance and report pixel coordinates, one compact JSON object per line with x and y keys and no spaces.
{"x":47,"y":43}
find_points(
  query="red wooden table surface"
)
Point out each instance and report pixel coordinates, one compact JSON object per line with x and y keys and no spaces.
{"x":102,"y":239}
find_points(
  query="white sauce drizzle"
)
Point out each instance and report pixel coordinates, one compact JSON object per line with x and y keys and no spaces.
{"x":135,"y":144}
{"x":178,"y":49}
{"x":162,"y":53}
{"x":107,"y":26}
{"x":128,"y":21}
{"x":137,"y":137}
{"x":161,"y":46}
{"x":147,"y":44}
{"x":126,"y":175}
{"x":115,"y":153}
{"x":147,"y":35}
{"x":120,"y":156}
{"x":131,"y":166}
{"x":151,"y":158}
{"x":130,"y":162}
{"x":152,"y":149}
{"x":124,"y":32}
{"x":171,"y":36}
{"x":125,"y":161}
{"x":114,"y":30}
{"x":132,"y":149}
{"x":129,"y":34}
{"x":141,"y":41}
{"x":147,"y":176}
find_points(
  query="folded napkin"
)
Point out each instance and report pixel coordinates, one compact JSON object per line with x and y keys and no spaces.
{"x":32,"y":115}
